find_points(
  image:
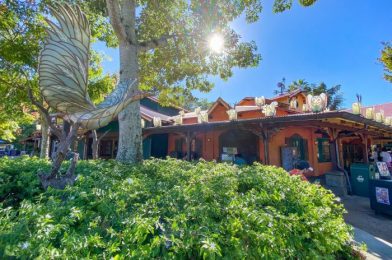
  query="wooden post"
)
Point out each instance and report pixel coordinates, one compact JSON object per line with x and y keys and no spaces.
{"x":188,"y":145}
{"x":364,"y":138}
{"x":266,"y":146}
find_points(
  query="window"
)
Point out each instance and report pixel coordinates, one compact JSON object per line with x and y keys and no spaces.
{"x":323,"y":151}
{"x":301,"y":144}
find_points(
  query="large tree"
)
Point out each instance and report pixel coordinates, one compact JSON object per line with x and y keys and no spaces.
{"x":386,"y":59}
{"x":164,"y":44}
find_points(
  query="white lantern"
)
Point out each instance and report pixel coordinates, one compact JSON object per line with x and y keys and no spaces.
{"x":202,"y":117}
{"x":260,"y":101}
{"x":232,"y":114}
{"x":157,"y":122}
{"x":369,"y":113}
{"x":143,"y":123}
{"x":356,"y":107}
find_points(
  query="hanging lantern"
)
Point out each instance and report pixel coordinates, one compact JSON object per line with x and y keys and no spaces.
{"x":157,"y":122}
{"x":270,"y":110}
{"x":181,"y":113}
{"x":260,"y":101}
{"x":143,"y":123}
{"x":356,"y":108}
{"x":369,"y":113}
{"x":232,"y":114}
{"x":202,"y":117}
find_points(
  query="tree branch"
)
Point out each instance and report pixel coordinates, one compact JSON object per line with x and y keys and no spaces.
{"x":115,"y":19}
{"x":45,"y":114}
{"x":154,"y":43}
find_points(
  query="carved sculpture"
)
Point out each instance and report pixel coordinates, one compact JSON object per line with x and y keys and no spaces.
{"x":63,"y":71}
{"x":63,"y":80}
{"x":294,"y":103}
{"x":260,"y":101}
{"x":232,"y":114}
{"x":270,"y":110}
{"x":369,"y":113}
{"x":202,"y":117}
{"x":318,"y":103}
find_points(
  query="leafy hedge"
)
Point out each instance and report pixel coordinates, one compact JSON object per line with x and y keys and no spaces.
{"x":175,"y":209}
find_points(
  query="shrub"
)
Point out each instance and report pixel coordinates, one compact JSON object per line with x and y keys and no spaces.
{"x":18,"y":179}
{"x":176,"y":209}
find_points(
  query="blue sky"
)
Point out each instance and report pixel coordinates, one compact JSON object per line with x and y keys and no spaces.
{"x":335,"y":41}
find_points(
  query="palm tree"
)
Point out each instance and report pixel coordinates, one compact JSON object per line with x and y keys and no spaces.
{"x":298,"y":84}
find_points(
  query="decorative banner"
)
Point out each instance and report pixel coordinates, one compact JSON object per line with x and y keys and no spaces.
{"x":382,"y":195}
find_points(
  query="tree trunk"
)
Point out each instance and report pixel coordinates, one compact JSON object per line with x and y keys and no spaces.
{"x":130,"y":134}
{"x":45,"y":140}
{"x":95,"y":145}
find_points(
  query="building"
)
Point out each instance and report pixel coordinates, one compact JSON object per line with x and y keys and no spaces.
{"x":327,"y":140}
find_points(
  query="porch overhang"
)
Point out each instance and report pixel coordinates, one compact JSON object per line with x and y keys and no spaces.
{"x":340,"y":120}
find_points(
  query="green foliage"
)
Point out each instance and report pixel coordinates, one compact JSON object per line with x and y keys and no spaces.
{"x":18,"y":179}
{"x":175,"y":209}
{"x":386,"y":59}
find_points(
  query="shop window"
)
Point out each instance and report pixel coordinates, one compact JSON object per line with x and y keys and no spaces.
{"x":323,"y":150}
{"x":106,"y":148}
{"x":301,"y":144}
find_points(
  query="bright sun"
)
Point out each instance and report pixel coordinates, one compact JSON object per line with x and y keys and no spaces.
{"x":216,"y":43}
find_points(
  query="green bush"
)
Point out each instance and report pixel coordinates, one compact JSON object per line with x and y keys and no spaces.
{"x":18,"y":179}
{"x":176,"y":209}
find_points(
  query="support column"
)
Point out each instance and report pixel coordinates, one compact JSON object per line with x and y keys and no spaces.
{"x":266,"y":138}
{"x":188,"y":145}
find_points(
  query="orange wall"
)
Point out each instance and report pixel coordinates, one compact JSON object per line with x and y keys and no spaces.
{"x":278,"y":140}
{"x":218,"y":114}
{"x":210,"y":147}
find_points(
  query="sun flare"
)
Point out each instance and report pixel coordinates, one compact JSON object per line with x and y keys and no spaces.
{"x":216,"y":43}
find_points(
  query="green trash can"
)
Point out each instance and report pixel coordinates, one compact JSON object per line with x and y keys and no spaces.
{"x":360,"y":174}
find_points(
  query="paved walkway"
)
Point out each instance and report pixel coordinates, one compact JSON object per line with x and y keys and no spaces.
{"x":377,"y":248}
{"x":374,"y":230}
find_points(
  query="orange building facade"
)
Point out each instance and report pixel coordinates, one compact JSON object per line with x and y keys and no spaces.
{"x":292,"y":134}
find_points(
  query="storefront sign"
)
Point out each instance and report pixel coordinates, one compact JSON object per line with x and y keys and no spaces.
{"x":382,"y":195}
